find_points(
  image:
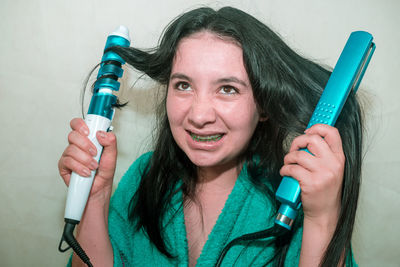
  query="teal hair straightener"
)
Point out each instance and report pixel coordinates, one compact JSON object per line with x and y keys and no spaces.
{"x":345,"y":77}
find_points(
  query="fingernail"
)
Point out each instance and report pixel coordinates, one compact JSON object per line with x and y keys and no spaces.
{"x":85,"y":131}
{"x":102,"y":134}
{"x":92,"y":151}
{"x":93,"y":165}
{"x":86,"y":172}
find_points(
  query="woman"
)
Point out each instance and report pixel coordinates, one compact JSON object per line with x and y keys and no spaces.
{"x":236,"y":98}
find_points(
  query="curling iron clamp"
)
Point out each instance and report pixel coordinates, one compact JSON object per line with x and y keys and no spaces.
{"x":345,"y":77}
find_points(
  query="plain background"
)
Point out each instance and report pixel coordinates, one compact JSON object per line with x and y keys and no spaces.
{"x":48,"y":47}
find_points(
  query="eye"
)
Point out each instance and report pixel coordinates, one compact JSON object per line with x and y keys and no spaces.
{"x":183,"y":86}
{"x":228,"y":90}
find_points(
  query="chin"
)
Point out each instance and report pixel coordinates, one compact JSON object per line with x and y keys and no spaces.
{"x":208,"y":160}
{"x":201,"y":161}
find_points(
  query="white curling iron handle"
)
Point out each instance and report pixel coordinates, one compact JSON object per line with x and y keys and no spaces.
{"x":79,"y":187}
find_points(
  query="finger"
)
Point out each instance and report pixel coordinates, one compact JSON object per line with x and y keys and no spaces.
{"x":79,"y":125}
{"x":330,"y":134}
{"x":313,"y":142}
{"x":64,"y":172}
{"x":69,"y":164}
{"x":109,"y":143}
{"x":108,"y":158}
{"x":296,"y":171}
{"x":303,"y":159}
{"x":66,"y":178}
{"x":80,"y":156}
{"x":81,"y":141}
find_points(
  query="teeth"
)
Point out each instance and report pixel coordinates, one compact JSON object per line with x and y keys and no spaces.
{"x":206,"y":138}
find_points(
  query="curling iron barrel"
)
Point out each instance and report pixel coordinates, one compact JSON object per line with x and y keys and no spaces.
{"x":346,"y":76}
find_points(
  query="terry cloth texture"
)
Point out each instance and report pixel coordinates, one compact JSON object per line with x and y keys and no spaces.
{"x":246,"y":210}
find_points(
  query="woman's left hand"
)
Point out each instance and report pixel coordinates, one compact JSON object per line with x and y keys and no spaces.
{"x":320,"y":175}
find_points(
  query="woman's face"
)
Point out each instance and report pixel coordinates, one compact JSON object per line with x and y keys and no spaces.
{"x":210,"y":104}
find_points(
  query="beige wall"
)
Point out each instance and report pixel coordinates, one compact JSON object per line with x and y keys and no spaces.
{"x":48,"y":47}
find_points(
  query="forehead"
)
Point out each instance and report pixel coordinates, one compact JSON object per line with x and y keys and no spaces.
{"x":206,"y":35}
{"x":207,"y":51}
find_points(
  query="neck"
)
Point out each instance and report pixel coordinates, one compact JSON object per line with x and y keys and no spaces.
{"x":218,"y":178}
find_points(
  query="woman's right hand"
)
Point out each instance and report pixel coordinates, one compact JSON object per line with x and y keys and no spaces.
{"x":78,"y":157}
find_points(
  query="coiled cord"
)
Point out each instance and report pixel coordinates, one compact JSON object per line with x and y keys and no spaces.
{"x":68,"y":237}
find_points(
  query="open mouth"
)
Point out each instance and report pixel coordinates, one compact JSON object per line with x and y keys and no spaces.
{"x":206,"y":138}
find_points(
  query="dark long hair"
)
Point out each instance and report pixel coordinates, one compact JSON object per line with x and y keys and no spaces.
{"x":286,"y":88}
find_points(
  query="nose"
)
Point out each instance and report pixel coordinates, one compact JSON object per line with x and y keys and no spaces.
{"x":202,"y":111}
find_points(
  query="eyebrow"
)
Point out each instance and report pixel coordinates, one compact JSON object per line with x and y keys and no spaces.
{"x":179,"y":75}
{"x":232,"y":79}
{"x":229,"y":79}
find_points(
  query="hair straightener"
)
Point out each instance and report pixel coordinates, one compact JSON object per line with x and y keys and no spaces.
{"x":345,"y":77}
{"x":99,"y":117}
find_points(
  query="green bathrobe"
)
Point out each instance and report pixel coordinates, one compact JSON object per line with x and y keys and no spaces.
{"x":247,"y":210}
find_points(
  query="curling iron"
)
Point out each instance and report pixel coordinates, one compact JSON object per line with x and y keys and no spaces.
{"x":100,"y":114}
{"x":345,"y":77}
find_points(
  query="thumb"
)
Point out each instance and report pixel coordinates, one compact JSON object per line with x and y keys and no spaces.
{"x":109,"y":156}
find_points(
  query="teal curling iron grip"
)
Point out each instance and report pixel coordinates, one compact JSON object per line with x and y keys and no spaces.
{"x":99,"y":117}
{"x":346,"y":76}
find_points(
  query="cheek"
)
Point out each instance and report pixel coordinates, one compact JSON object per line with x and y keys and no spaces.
{"x":176,"y":117}
{"x":244,"y":117}
{"x":252,"y":113}
{"x":175,"y":111}
{"x":250,"y":124}
{"x":245,"y":124}
{"x":171,"y":108}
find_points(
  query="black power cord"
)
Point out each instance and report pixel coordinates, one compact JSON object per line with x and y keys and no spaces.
{"x":273,"y":231}
{"x":68,"y":237}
